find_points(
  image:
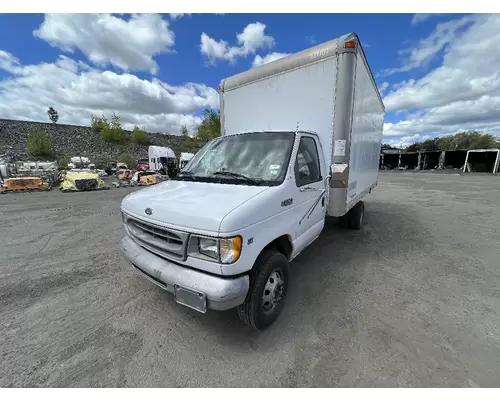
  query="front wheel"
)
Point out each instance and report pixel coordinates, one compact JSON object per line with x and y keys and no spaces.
{"x":268,"y":287}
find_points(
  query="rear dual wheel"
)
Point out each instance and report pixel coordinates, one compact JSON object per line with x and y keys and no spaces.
{"x":354,"y":217}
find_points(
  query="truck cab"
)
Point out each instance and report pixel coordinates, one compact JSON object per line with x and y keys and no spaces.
{"x":143,"y":164}
{"x":257,"y":197}
{"x":184,"y":159}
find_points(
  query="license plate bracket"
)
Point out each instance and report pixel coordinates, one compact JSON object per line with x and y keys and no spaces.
{"x":190,"y":298}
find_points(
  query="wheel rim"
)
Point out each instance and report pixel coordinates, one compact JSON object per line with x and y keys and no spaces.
{"x":273,"y":291}
{"x":362,"y":214}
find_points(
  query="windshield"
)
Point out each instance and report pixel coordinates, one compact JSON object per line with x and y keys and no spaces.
{"x":251,"y":158}
{"x":144,"y":160}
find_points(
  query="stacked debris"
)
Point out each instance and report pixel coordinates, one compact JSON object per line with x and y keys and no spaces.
{"x":129,"y":178}
{"x":27,"y":176}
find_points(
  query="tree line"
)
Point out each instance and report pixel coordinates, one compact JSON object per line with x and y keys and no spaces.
{"x":467,"y":140}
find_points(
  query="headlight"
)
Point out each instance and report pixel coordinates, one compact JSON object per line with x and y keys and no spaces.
{"x":208,"y":247}
{"x":224,"y":250}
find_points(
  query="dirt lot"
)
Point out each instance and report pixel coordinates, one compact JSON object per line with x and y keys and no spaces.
{"x":411,"y":300}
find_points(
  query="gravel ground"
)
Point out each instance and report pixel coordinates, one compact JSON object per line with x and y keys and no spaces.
{"x":411,"y":300}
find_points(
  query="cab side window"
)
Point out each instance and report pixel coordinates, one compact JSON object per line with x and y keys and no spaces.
{"x":307,"y":169}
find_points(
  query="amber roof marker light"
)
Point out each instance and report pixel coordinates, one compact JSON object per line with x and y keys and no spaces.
{"x":350,"y":44}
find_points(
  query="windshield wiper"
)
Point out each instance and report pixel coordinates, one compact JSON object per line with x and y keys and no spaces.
{"x":236,"y":175}
{"x":186,"y":173}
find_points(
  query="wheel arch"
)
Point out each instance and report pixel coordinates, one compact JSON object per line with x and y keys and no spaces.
{"x":282,"y":244}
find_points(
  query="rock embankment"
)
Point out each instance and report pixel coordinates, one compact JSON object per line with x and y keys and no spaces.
{"x":71,"y":140}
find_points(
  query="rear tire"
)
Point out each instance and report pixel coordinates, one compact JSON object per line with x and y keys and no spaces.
{"x":344,"y":221}
{"x":267,"y":293}
{"x":357,"y":214}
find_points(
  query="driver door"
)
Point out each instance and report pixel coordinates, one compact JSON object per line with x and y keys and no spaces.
{"x":311,"y":191}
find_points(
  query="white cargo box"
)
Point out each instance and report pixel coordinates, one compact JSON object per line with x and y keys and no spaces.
{"x":328,"y":89}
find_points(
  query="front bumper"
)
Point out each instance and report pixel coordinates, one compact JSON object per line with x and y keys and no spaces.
{"x":221,"y":293}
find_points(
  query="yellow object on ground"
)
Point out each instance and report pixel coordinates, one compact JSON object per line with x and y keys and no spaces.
{"x":24,"y":183}
{"x":148,"y":179}
{"x":81,"y":181}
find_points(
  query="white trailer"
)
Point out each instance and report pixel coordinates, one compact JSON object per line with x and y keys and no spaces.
{"x":184,"y":159}
{"x":300,"y":140}
{"x":159,"y":157}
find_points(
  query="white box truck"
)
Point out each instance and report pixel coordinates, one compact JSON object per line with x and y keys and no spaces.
{"x":300,"y":141}
{"x":161,"y":159}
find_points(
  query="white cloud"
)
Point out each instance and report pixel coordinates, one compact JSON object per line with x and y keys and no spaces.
{"x":177,"y":16}
{"x":259,"y":60}
{"x":463,"y":92}
{"x":76,"y":91}
{"x":8,"y":62}
{"x":428,"y":48}
{"x":383,"y":87}
{"x":311,"y":39}
{"x":404,"y":142}
{"x":420,"y":18}
{"x":251,"y":39}
{"x":109,"y":40}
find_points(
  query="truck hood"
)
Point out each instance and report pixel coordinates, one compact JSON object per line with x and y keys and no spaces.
{"x":196,"y":206}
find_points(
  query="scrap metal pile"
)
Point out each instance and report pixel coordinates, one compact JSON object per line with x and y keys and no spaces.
{"x":79,"y":175}
{"x":130,"y":177}
{"x":16,"y":176}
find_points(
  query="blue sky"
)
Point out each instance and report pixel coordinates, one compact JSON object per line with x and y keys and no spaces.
{"x":160,"y":71}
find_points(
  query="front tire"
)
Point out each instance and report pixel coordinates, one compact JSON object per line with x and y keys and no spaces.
{"x":268,"y":287}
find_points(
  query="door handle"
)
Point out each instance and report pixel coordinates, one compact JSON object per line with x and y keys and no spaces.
{"x":308,"y":189}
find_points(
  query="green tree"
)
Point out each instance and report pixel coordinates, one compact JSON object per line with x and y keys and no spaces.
{"x":413,"y":147}
{"x":103,"y":162}
{"x":39,"y":145}
{"x":468,"y":140}
{"x":127,"y":159}
{"x":184,"y":130}
{"x":98,"y":124}
{"x":210,"y":125}
{"x":139,"y":136}
{"x":112,"y":131}
{"x":115,"y":121}
{"x":62,"y":162}
{"x":53,"y":115}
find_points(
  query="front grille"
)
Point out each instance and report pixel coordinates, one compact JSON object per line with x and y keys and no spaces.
{"x":163,"y":241}
{"x":86,"y":184}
